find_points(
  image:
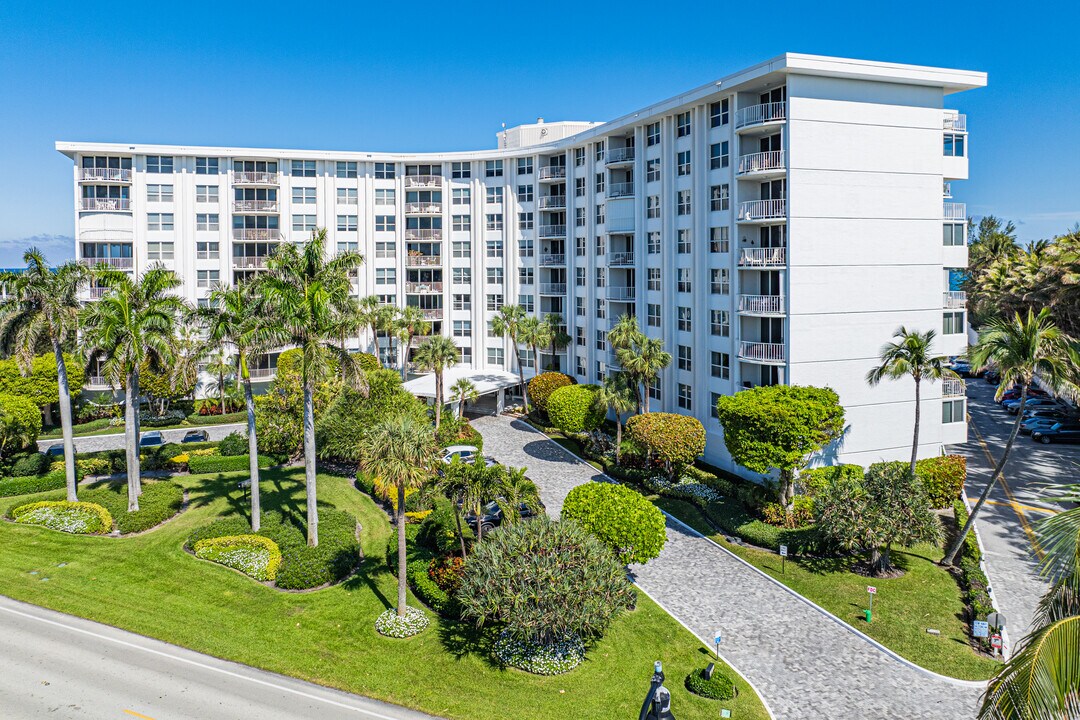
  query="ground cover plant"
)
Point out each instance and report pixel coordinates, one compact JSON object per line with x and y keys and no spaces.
{"x":71,"y":517}
{"x":254,"y":555}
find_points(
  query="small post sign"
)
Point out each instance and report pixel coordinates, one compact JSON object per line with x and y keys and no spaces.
{"x":719,"y":636}
{"x":980,"y":628}
{"x":783,"y":559}
{"x":995,"y":642}
{"x":871,"y":591}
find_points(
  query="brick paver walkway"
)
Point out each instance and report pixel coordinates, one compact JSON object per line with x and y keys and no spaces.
{"x":803,"y":663}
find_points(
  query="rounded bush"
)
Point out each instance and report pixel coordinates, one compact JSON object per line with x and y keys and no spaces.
{"x":32,"y":464}
{"x":574,"y":408}
{"x":233,"y":444}
{"x":620,"y":518}
{"x":718,"y":687}
{"x":253,"y":555}
{"x":20,"y":423}
{"x":541,"y":387}
{"x":391,"y":625}
{"x":82,"y":518}
{"x":675,"y":440}
{"x":942,"y":478}
{"x":368,"y":362}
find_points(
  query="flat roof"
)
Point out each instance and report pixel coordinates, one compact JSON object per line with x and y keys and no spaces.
{"x":486,"y":381}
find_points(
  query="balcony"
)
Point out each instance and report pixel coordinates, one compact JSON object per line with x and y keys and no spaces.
{"x":423,"y":288}
{"x":953,"y":387}
{"x":762,"y":210}
{"x":760,"y":352}
{"x":946,"y":189}
{"x":96,"y":293}
{"x":249,"y":262}
{"x":613,"y":362}
{"x":762,"y":163}
{"x":241,"y":206}
{"x":256,"y":234}
{"x":765,"y":305}
{"x":619,"y":225}
{"x":423,"y":260}
{"x":954,"y":211}
{"x":552,"y":231}
{"x":432,"y":313}
{"x":620,"y":156}
{"x":553,"y":202}
{"x":423,"y":208}
{"x":552,"y":259}
{"x":105,"y":174}
{"x":262,"y":373}
{"x":251,"y":177}
{"x":763,"y":257}
{"x":955,"y":123}
{"x":119,"y":263}
{"x":118,"y":204}
{"x":954,"y":300}
{"x":623,"y":293}
{"x":552,"y":288}
{"x":621,"y":259}
{"x":423,"y":181}
{"x":96,"y":382}
{"x":620,"y":190}
{"x":434,"y":234}
{"x":551,"y":173}
{"x":756,"y":115}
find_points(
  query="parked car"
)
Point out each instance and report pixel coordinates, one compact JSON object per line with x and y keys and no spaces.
{"x":993,"y":377}
{"x":492,"y":516}
{"x":1060,"y":413}
{"x":1014,"y":393}
{"x":56,"y":451}
{"x":1058,"y":432}
{"x":1011,"y":406}
{"x":151,"y":439}
{"x":1037,"y":423}
{"x":196,"y":436}
{"x":961,"y":367}
{"x":467,"y":453}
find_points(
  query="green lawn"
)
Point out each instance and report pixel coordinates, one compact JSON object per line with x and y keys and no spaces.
{"x":926,"y":596}
{"x":148,"y":584}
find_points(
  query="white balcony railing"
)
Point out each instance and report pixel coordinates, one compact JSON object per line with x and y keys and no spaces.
{"x":97,"y":293}
{"x":621,"y":259}
{"x":423,"y":208}
{"x":953,"y":387}
{"x":620,"y":155}
{"x":96,"y":381}
{"x":954,"y":300}
{"x":252,"y":177}
{"x":759,"y":114}
{"x":955,"y":211}
{"x":120,"y":263}
{"x":255,"y":206}
{"x":105,"y":174}
{"x":763,"y":257}
{"x":762,"y":304}
{"x":423,"y":260}
{"x":552,"y":172}
{"x":760,"y":352}
{"x":752,"y":210}
{"x":955,"y":122}
{"x":761,"y":162}
{"x":262,"y":373}
{"x":552,"y":202}
{"x":622,"y":189}
{"x":256,"y":234}
{"x":621,"y":294}
{"x":423,"y":181}
{"x":245,"y":262}
{"x":432,"y":313}
{"x":423,"y":288}
{"x":434,"y":234}
{"x":946,"y":189}
{"x":121,"y":204}
{"x":552,"y":231}
{"x":551,"y":259}
{"x":552,"y":288}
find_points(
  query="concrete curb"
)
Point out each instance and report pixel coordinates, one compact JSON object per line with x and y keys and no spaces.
{"x":1006,"y":645}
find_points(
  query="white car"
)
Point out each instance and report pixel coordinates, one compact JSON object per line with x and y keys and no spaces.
{"x":467,"y":453}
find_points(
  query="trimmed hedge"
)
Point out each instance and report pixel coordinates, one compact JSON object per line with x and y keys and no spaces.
{"x":972,"y":577}
{"x":943,"y":477}
{"x":814,"y":479}
{"x":260,"y":561}
{"x":32,"y":484}
{"x":199,"y":465}
{"x":675,"y":440}
{"x":159,"y":502}
{"x":82,"y":518}
{"x":235,"y":417}
{"x":574,"y":408}
{"x":33,"y":464}
{"x":543,"y":385}
{"x":620,"y":518}
{"x":718,"y":687}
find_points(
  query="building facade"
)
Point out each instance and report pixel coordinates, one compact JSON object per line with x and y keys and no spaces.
{"x":775,"y":226}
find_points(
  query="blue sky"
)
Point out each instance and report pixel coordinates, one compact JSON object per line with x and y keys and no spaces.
{"x":410,"y":76}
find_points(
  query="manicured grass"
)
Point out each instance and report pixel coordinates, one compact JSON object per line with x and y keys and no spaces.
{"x":149,"y":585}
{"x":925,"y":596}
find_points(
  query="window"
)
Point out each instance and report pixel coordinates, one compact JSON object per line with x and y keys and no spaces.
{"x":303,"y":168}
{"x":685,"y":397}
{"x":494,"y":302}
{"x":525,"y":221}
{"x":462,"y":328}
{"x":652,"y":134}
{"x":599,"y":182}
{"x":493,"y":168}
{"x":683,"y":164}
{"x":384,"y":171}
{"x":652,"y":170}
{"x":601,"y":277}
{"x":206,"y":166}
{"x":713,"y":399}
{"x":347,"y":196}
{"x":344,"y":247}
{"x":526,"y":247}
{"x":580,"y":365}
{"x":579,"y":157}
{"x":526,"y":276}
{"x":159,"y":221}
{"x":460,"y":196}
{"x":579,"y":276}
{"x":682,"y":124}
{"x":495,"y":356}
{"x":526,"y":302}
{"x":683,"y":207}
{"x":682,"y":276}
{"x":719,"y":157}
{"x":579,"y":336}
{"x":461,"y":249}
{"x":598,"y":151}
{"x":495,"y":276}
{"x":206,"y":221}
{"x":719,"y":240}
{"x":720,"y":323}
{"x":654,"y":390}
{"x":579,"y":217}
{"x":954,"y":145}
{"x":159,"y":164}
{"x":461,"y":222}
{"x":579,"y":306}
{"x":462,"y":275}
{"x":384,"y":196}
{"x":579,"y":187}
{"x":721,"y":365}
{"x":462,"y":302}
{"x":579,"y":246}
{"x":303,"y":196}
{"x":346,"y":169}
{"x":684,"y":319}
{"x":525,"y":166}
{"x":652,"y":315}
{"x":720,"y":281}
{"x":954,"y":234}
{"x":720,"y":197}
{"x":600,"y":217}
{"x":600,"y":340}
{"x":159,"y":193}
{"x":303,"y":223}
{"x":385,"y":223}
{"x":466,"y":355}
{"x":600,"y":245}
{"x":601,"y":309}
{"x":384,"y":249}
{"x":653,"y":279}
{"x":385,"y":276}
{"x":525,"y":193}
{"x":495,"y":195}
{"x":346,"y":223}
{"x":954,"y":323}
{"x":719,"y":113}
{"x":652,"y":206}
{"x":460,"y":170}
{"x":952,"y":411}
{"x":206,"y":278}
{"x":206,"y":193}
{"x":683,"y":244}
{"x":494,"y":248}
{"x":207,"y":250}
{"x":652,"y":243}
{"x":159,"y":251}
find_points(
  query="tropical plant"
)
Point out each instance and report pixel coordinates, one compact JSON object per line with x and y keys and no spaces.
{"x":437,"y":354}
{"x":642,"y":358}
{"x":39,"y":308}
{"x":911,"y":355}
{"x":133,"y":323}
{"x":617,"y":395}
{"x":535,"y":333}
{"x":672,"y":439}
{"x":621,"y":518}
{"x":20,"y":424}
{"x":378,"y":316}
{"x":541,"y":386}
{"x":301,"y":291}
{"x":401,"y":454}
{"x":508,"y":323}
{"x":474,"y":485}
{"x":516,"y":491}
{"x":409,"y":322}
{"x":576,"y":408}
{"x":465,"y":391}
{"x":1020,"y":348}
{"x":555,"y":333}
{"x":219,"y":366}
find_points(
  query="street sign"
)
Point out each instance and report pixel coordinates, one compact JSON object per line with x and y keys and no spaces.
{"x":871,"y":589}
{"x":980,"y":628}
{"x":995,"y":642}
{"x":783,"y":551}
{"x":718,"y":638}
{"x":996,"y":620}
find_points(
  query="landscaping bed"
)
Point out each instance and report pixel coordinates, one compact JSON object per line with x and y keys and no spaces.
{"x":82,"y":518}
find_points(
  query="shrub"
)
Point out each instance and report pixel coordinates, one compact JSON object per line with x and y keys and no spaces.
{"x":942,"y":478}
{"x":675,"y":440}
{"x":447,"y":573}
{"x":574,"y":408}
{"x":83,"y":518}
{"x":553,"y":659}
{"x":368,"y":362}
{"x":718,"y":687}
{"x":32,"y":464}
{"x":543,"y":385}
{"x":40,"y":386}
{"x":974,"y":580}
{"x":390,"y":624}
{"x":454,"y":431}
{"x":800,"y":514}
{"x":429,"y":591}
{"x":254,"y":555}
{"x":169,"y":418}
{"x":233,"y":444}
{"x":217,"y":464}
{"x":32,"y":484}
{"x":159,"y":502}
{"x":439,"y":530}
{"x":93,"y":466}
{"x":814,"y":480}
{"x":212,"y":417}
{"x":622,"y":519}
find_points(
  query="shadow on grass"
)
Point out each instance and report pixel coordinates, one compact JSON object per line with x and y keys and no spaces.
{"x":461,"y":639}
{"x":365,"y":576}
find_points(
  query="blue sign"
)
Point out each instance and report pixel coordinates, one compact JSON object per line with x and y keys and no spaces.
{"x":980,"y":628}
{"x":717,"y":638}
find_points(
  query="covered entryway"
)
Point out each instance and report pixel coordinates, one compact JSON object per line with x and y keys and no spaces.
{"x":496,"y":388}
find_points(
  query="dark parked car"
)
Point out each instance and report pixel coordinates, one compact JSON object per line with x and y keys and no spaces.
{"x":1014,"y":393}
{"x":151,"y":439}
{"x":56,"y":450}
{"x":1058,"y":432}
{"x":1030,"y":425}
{"x":961,"y":367}
{"x":1060,"y":413}
{"x":493,"y":516}
{"x":196,"y":436}
{"x":993,"y":377}
{"x":1011,"y":406}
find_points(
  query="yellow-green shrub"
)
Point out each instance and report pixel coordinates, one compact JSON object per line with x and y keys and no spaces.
{"x":675,"y":440}
{"x":218,"y":550}
{"x":541,"y":387}
{"x":74,"y":517}
{"x":574,"y":408}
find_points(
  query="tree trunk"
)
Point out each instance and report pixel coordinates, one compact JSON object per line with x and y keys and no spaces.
{"x":401,"y":557}
{"x":950,"y":557}
{"x":521,"y":375}
{"x":618,"y":439}
{"x":479,"y":517}
{"x":65,"y":423}
{"x":787,"y":489}
{"x":132,"y":443}
{"x":405,"y":357}
{"x":138,"y":435}
{"x":460,"y":531}
{"x":309,"y":464}
{"x":918,"y":413}
{"x":875,"y":561}
{"x":438,"y":399}
{"x":461,"y":407}
{"x":221,"y":392}
{"x":253,"y":457}
{"x":644,"y":397}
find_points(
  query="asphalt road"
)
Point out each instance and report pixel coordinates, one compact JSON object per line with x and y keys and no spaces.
{"x":59,"y":666}
{"x":115,"y":441}
{"x":1007,"y":522}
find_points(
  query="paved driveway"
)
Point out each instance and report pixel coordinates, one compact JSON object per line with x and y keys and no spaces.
{"x":94,"y":443}
{"x":802,"y":662}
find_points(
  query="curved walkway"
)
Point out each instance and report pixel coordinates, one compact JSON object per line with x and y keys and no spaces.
{"x":803,"y":663}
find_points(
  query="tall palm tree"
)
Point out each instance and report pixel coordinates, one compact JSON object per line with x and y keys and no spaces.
{"x":409,"y":323}
{"x":534,"y":333}
{"x":616,"y":395}
{"x":454,"y":484}
{"x":508,"y":324}
{"x":1020,"y":347}
{"x":556,"y":336}
{"x":378,"y":317}
{"x":40,"y":309}
{"x":465,"y":391}
{"x":401,"y":452}
{"x":301,"y":291}
{"x":437,"y":354}
{"x":133,"y":323}
{"x":233,"y":316}
{"x":644,"y":361}
{"x":911,"y":355}
{"x":625,"y":333}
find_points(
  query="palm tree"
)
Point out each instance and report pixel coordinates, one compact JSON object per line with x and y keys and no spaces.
{"x":625,"y":333}
{"x":301,"y":291}
{"x":454,"y":484}
{"x":911,"y":355}
{"x":378,"y":316}
{"x":556,"y":336}
{"x":516,"y":491}
{"x":508,"y":323}
{"x":233,"y":316}
{"x":465,"y":391}
{"x":219,"y":366}
{"x":409,"y":323}
{"x":616,"y":395}
{"x":644,"y":361}
{"x":401,"y":452}
{"x":132,"y":324}
{"x":40,"y":308}
{"x":437,"y":354}
{"x":1020,"y":348}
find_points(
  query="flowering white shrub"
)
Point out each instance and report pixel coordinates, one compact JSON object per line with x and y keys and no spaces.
{"x":253,"y":555}
{"x":686,"y":489}
{"x":553,"y":659}
{"x":390,"y":624}
{"x":71,"y":517}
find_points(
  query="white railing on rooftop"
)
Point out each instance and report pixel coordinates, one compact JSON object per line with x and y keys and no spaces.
{"x":758,"y":114}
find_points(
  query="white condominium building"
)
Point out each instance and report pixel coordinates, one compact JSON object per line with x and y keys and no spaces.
{"x":774,"y":226}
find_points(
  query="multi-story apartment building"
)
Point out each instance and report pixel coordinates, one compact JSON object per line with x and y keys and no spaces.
{"x":775,"y":226}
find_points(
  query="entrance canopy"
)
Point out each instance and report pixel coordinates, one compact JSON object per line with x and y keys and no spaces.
{"x":486,"y":381}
